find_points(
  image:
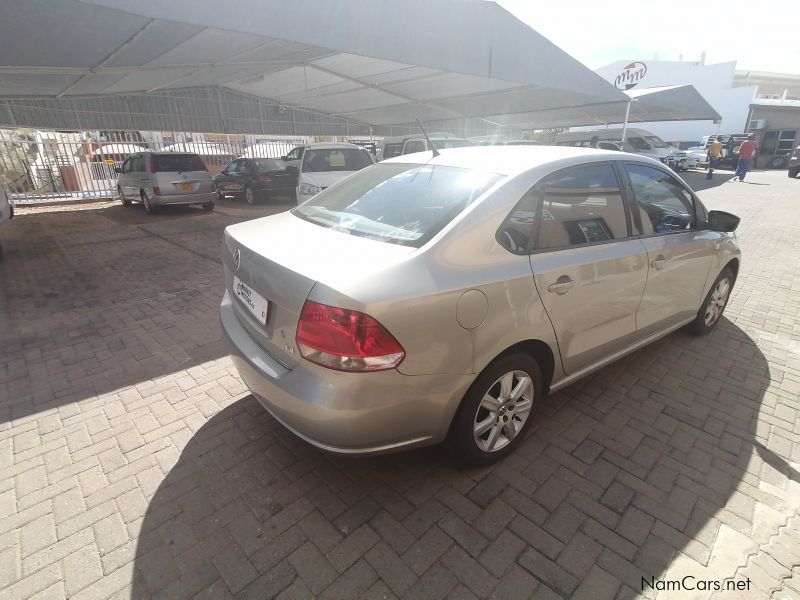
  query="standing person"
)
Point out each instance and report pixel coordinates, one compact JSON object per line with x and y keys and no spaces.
{"x":714,"y":154}
{"x":747,"y":151}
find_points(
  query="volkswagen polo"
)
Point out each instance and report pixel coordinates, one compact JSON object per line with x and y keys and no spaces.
{"x":440,"y":298}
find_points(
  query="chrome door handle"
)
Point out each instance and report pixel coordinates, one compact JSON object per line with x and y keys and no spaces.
{"x":562,"y":285}
{"x":658,"y":262}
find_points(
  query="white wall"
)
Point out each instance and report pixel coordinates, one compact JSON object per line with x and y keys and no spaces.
{"x":714,"y":82}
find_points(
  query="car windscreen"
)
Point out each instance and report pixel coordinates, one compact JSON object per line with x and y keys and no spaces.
{"x":172,"y":163}
{"x":656,"y":141}
{"x":404,"y":204}
{"x":269,"y":164}
{"x":335,"y":159}
{"x":442,"y":144}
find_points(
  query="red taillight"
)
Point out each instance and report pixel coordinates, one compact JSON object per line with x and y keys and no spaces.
{"x":264,"y":179}
{"x":346,"y":340}
{"x":156,"y":190}
{"x":151,"y":165}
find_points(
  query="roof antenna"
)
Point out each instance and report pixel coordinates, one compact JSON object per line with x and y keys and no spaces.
{"x":425,"y":133}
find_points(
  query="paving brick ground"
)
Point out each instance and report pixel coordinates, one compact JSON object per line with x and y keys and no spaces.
{"x":134,"y":464}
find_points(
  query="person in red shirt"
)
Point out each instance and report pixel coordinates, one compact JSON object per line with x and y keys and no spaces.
{"x":747,"y":151}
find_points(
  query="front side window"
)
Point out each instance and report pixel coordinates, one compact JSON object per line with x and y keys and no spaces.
{"x":405,"y":204}
{"x":581,"y":205}
{"x":233,"y":167}
{"x":126,"y":165}
{"x":663,"y":205}
{"x":335,"y":159}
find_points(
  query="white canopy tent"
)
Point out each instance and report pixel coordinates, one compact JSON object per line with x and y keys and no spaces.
{"x":369,"y":62}
{"x":672,"y":103}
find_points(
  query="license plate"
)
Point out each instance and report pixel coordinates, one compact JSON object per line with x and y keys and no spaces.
{"x":255,"y":302}
{"x":187,"y":187}
{"x":233,"y":187}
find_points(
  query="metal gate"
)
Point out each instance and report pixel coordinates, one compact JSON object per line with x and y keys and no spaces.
{"x":46,"y":166}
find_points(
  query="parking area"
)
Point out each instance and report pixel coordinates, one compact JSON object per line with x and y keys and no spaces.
{"x":134,"y":463}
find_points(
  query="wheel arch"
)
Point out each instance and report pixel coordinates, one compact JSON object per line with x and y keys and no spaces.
{"x":733,"y":264}
{"x":539,"y":350}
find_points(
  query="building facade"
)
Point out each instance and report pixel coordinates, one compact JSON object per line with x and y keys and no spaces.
{"x":715,"y":82}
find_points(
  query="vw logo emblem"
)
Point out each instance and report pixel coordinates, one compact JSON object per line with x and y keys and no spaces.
{"x":237,"y":259}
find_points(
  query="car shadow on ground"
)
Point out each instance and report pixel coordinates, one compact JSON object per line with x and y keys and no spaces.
{"x":88,"y":310}
{"x":623,"y":470}
{"x":698,"y":181}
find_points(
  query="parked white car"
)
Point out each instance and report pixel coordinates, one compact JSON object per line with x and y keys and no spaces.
{"x":322,"y":165}
{"x":697,"y":157}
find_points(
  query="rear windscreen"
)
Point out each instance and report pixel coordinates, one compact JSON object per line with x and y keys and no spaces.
{"x":322,"y":160}
{"x":178,"y":162}
{"x":404,"y":204}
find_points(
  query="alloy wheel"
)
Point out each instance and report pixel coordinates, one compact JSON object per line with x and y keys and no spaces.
{"x":717,"y":301}
{"x":503,"y":411}
{"x":249,"y":196}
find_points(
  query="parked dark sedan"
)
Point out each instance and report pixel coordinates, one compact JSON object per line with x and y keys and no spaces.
{"x":255,"y":179}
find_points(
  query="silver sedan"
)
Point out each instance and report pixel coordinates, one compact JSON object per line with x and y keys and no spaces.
{"x":440,"y":298}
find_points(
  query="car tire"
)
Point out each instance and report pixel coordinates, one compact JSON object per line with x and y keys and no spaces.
{"x":293,"y":195}
{"x":125,"y":201}
{"x":793,"y":172}
{"x":148,"y":208}
{"x":208,"y":205}
{"x":480,"y":423}
{"x":249,"y":195}
{"x":714,"y":304}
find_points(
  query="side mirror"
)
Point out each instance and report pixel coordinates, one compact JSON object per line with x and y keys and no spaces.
{"x":117,"y":170}
{"x":719,"y":220}
{"x":292,"y":169}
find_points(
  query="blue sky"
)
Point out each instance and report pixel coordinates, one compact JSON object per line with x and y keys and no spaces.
{"x":759,"y":35}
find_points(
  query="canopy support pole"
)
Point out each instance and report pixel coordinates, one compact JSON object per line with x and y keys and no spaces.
{"x":625,"y":122}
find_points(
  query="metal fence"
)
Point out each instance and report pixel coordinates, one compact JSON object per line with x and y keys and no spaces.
{"x":45,"y":166}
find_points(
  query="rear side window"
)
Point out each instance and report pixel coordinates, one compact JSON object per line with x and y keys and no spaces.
{"x":397,"y":203}
{"x":663,"y":204}
{"x":178,"y":162}
{"x":581,"y":205}
{"x":269,"y":164}
{"x":392,"y":150}
{"x":414,"y":146}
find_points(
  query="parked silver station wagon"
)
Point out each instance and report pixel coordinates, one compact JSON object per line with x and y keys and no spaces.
{"x":159,"y":178}
{"x":426,"y":298}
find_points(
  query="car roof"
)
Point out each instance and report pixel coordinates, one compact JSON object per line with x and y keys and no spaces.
{"x":167,"y":153}
{"x":511,"y":160}
{"x":330,"y":146}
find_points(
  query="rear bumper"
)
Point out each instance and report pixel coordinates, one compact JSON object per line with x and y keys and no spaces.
{"x":183,"y":199}
{"x":347,"y":413}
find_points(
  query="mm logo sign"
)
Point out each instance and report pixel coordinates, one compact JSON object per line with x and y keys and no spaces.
{"x":630,"y":75}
